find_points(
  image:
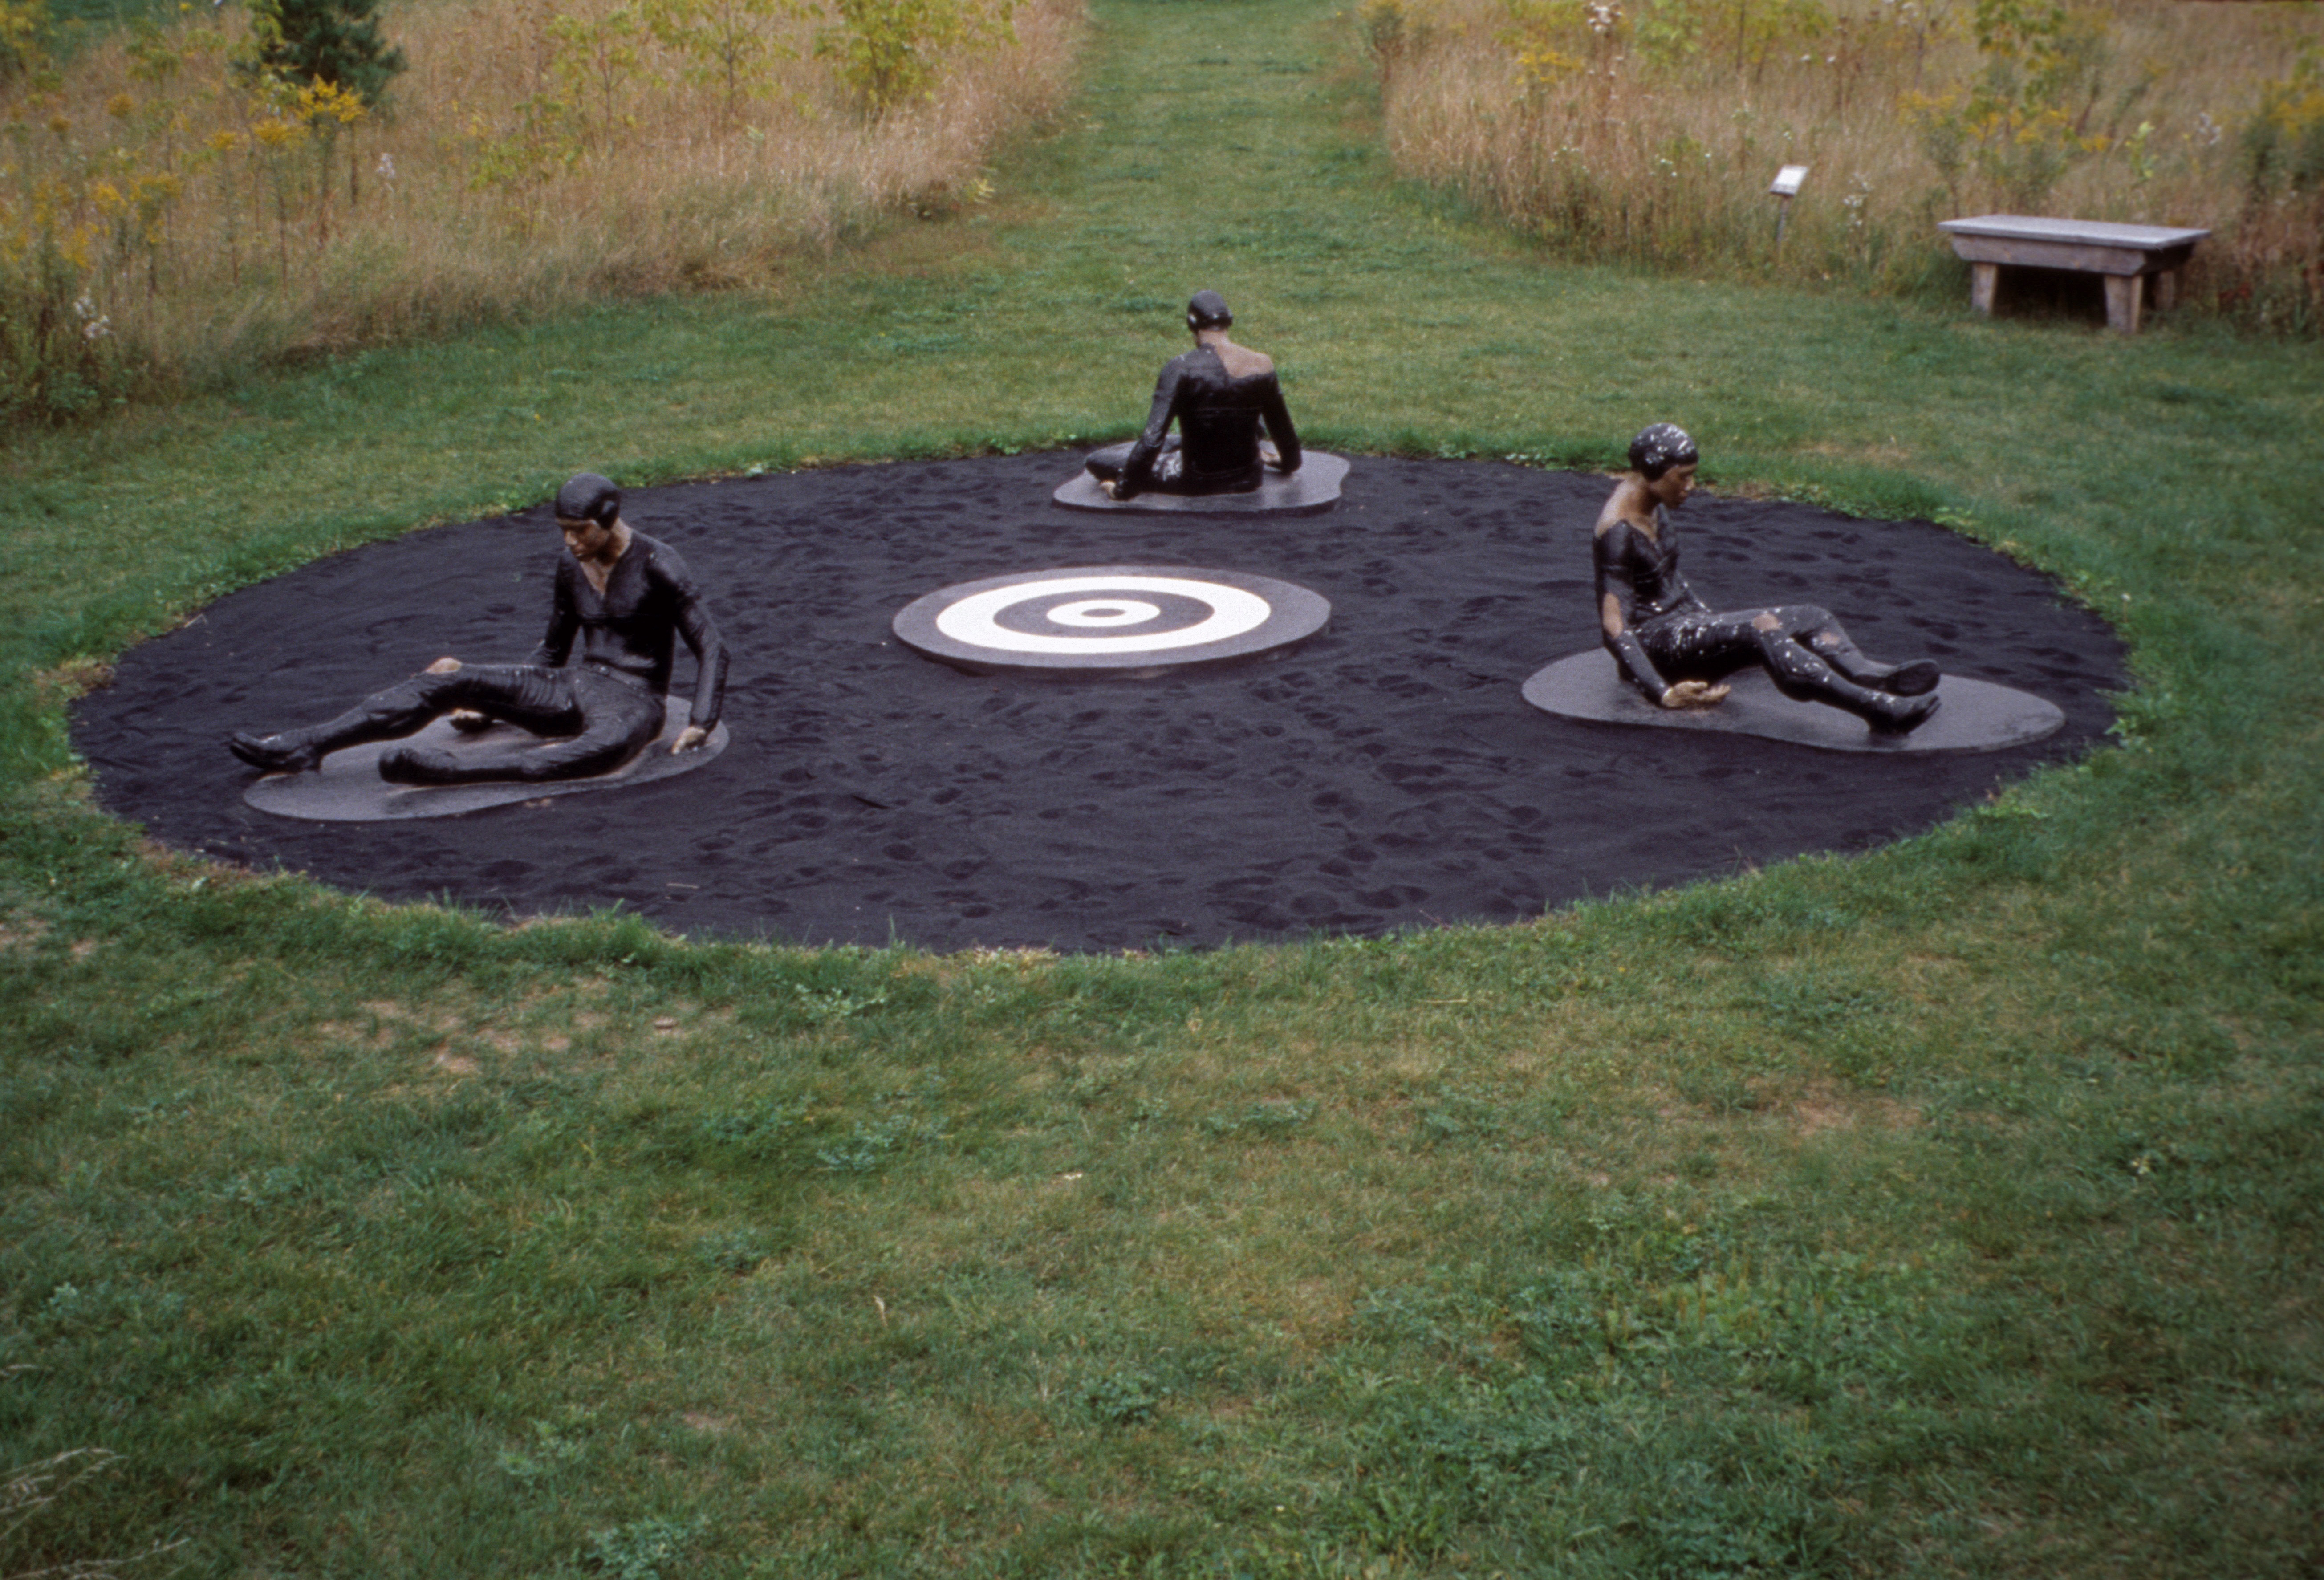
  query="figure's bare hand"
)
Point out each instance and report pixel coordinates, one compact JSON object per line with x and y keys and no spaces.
{"x":689,"y":738}
{"x":1109,"y":488}
{"x":1696,"y":694}
{"x":443,"y":666}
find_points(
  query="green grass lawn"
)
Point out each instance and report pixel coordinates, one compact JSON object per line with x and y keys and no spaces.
{"x":1951,"y":1209}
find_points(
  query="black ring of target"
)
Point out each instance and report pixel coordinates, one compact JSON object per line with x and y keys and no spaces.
{"x":1033,"y":617}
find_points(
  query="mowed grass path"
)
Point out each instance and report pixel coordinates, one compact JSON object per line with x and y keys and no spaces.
{"x":1948,"y":1209}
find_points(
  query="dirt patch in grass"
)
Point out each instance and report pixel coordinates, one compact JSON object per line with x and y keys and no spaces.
{"x":331,"y":1034}
{"x":389,"y":1012}
{"x":22,"y":931}
{"x":1823,"y":1108}
{"x":72,"y":679}
{"x":1891,"y":454}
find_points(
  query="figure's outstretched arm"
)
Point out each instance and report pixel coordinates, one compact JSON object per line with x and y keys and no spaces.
{"x":1278,"y":418}
{"x":709,"y":663}
{"x":701,"y":636}
{"x":1629,"y":652}
{"x":564,"y":618}
{"x":1617,"y":602}
{"x":1158,"y":418}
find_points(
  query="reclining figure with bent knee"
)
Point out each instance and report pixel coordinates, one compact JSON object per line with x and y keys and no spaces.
{"x":1676,"y":649}
{"x":627,"y":597}
{"x":1221,"y":396}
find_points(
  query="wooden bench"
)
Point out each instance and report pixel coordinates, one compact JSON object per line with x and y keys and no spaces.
{"x":2127,"y":256}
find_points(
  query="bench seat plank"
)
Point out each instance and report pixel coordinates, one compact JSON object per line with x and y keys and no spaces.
{"x":2125,"y":255}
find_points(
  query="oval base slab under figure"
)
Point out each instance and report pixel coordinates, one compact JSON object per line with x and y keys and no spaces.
{"x":1978,"y":715}
{"x":1677,"y":651}
{"x":1312,"y":490}
{"x":1234,"y":447}
{"x":348,"y":787}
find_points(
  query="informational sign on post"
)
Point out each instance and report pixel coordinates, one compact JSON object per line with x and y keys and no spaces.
{"x":1785,"y":187}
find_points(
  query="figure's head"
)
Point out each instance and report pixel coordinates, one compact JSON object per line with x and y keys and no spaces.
{"x":588,"y":508}
{"x":1207,"y":310}
{"x":589,"y":498}
{"x":1665,"y":457}
{"x":1658,"y":449}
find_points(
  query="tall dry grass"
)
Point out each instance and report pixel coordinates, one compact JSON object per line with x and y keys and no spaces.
{"x":1648,"y":130}
{"x":164,"y":213}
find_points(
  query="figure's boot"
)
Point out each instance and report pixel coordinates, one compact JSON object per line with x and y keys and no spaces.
{"x":1913,"y":677}
{"x":1889,"y":715}
{"x":291,"y":751}
{"x":1901,"y":715}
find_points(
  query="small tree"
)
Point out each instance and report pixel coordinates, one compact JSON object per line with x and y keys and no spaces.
{"x":891,"y":52}
{"x":336,"y":42}
{"x":728,"y":41}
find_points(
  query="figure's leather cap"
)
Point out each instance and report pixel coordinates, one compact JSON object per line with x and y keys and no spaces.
{"x":1658,"y":449}
{"x":589,"y":498}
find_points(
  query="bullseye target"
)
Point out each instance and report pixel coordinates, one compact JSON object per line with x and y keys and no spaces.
{"x":1111,"y":620}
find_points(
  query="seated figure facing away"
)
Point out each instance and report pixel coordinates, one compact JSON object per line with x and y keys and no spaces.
{"x":1676,"y":649}
{"x":627,"y":597}
{"x":1221,"y":396}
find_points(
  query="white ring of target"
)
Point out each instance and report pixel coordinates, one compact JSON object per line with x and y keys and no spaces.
{"x":973,"y":621}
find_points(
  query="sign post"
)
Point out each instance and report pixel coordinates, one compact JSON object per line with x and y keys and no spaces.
{"x":1786,"y":188}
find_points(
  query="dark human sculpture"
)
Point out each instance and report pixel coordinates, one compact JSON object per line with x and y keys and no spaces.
{"x":1221,"y":396}
{"x":627,"y":597}
{"x":1676,"y":649}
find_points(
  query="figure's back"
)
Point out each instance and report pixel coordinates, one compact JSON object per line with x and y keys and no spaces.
{"x":1222,"y":393}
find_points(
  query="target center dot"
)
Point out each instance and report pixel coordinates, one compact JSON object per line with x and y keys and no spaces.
{"x":1102,"y":612}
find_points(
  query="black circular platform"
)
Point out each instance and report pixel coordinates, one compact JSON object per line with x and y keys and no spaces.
{"x":1388,"y":774}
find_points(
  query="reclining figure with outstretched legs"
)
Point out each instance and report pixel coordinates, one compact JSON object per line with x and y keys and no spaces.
{"x":1676,"y":649}
{"x":627,"y":597}
{"x":1222,"y":396}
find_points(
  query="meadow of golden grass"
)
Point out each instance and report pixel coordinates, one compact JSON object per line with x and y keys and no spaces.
{"x":167,"y":208}
{"x":1649,"y":129}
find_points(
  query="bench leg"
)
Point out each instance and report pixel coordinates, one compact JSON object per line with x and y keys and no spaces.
{"x":2124,"y":293}
{"x":2166,"y":291}
{"x":1984,"y":285}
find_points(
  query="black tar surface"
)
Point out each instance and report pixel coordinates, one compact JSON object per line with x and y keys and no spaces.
{"x":1388,"y":775}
